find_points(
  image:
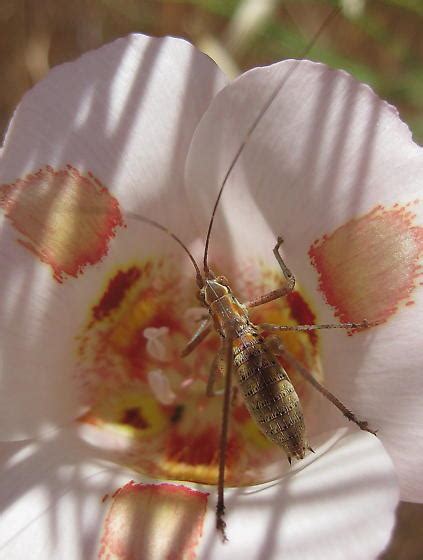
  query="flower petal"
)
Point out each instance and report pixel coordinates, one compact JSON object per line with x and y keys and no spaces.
{"x":341,"y":506}
{"x":60,"y":502}
{"x":126,"y":112}
{"x":327,"y":149}
{"x":49,"y":497}
{"x":153,"y":521}
{"x":331,"y":168}
{"x":123,"y":115}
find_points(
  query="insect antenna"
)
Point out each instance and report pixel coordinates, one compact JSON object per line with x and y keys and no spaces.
{"x":253,"y":126}
{"x":141,"y":218}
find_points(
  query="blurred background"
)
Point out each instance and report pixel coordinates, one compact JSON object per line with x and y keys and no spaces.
{"x":379,"y":41}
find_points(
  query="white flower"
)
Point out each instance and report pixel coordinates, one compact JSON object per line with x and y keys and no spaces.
{"x":147,"y":125}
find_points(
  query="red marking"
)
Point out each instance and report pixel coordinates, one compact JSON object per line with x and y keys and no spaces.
{"x":116,"y":492}
{"x":66,"y":219}
{"x":200,"y":448}
{"x":115,"y":292}
{"x":133,"y":417}
{"x":370,"y":265}
{"x":134,"y":298}
{"x":176,"y":413}
{"x":153,"y":521}
{"x":301,"y":313}
{"x":104,"y":498}
{"x":241,"y":414}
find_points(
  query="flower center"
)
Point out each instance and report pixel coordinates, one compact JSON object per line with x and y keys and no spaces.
{"x":140,"y":390}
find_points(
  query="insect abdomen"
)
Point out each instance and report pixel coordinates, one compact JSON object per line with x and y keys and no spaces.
{"x":269,"y":394}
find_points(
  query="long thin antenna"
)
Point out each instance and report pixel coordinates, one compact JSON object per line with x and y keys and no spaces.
{"x":253,"y":126}
{"x":141,"y":218}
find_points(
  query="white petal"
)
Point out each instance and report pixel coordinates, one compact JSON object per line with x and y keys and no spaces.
{"x":339,"y":507}
{"x":327,"y":151}
{"x":51,"y":500}
{"x":60,"y":502}
{"x":378,"y":376}
{"x":55,"y":496}
{"x":125,"y":113}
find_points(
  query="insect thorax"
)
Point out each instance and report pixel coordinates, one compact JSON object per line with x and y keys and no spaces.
{"x":229,"y":315}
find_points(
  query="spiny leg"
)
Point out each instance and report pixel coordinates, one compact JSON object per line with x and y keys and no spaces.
{"x":277,"y":348}
{"x":271,"y":327}
{"x":200,"y":334}
{"x":220,"y":507}
{"x":275,"y":294}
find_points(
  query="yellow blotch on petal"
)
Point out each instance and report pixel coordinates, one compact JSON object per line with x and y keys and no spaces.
{"x":153,"y":521}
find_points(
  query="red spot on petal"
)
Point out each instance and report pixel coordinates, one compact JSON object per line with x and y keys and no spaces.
{"x":133,"y":417}
{"x":153,"y":521}
{"x":201,"y":448}
{"x":370,"y":265}
{"x":241,"y":414}
{"x":301,"y":313}
{"x":66,"y":219}
{"x":115,"y":292}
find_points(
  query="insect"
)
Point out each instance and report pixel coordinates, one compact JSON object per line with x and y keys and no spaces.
{"x":248,"y":354}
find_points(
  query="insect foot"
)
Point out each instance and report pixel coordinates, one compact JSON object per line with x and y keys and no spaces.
{"x":362,"y":424}
{"x":220,"y":522}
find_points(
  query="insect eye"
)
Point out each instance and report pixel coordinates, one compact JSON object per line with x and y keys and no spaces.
{"x":223,"y":280}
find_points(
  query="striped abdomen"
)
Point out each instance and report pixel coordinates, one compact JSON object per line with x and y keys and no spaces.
{"x":269,"y":394}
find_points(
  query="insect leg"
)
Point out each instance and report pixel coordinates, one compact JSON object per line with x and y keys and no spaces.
{"x":236,"y":398}
{"x":200,"y":334}
{"x":216,"y":365}
{"x":278,"y":348}
{"x":362,"y":325}
{"x":220,"y":507}
{"x":275,"y":294}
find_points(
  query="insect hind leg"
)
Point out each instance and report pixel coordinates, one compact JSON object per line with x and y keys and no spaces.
{"x":278,"y":348}
{"x":304,"y":328}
